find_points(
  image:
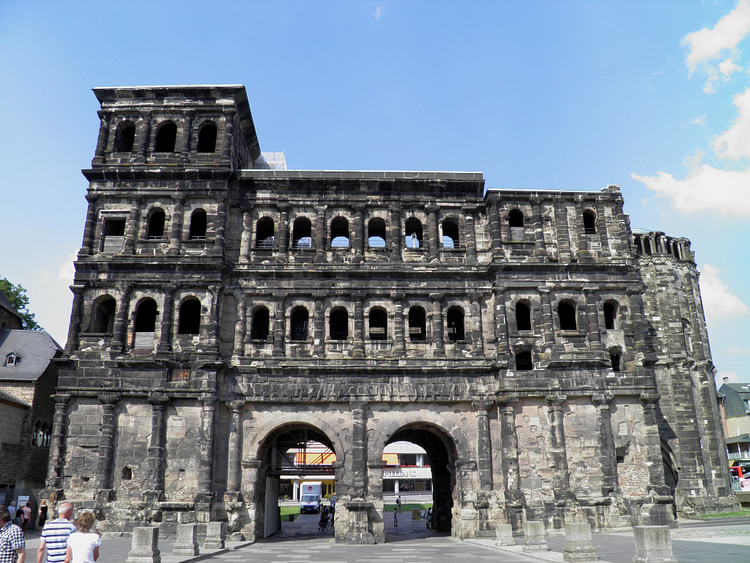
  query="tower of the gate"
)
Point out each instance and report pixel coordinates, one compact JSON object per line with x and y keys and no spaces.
{"x":226,"y":311}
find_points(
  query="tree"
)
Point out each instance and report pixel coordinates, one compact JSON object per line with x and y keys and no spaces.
{"x":17,"y":297}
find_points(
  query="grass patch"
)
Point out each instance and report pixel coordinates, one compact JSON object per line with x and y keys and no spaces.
{"x":743,"y":512}
{"x":285,"y":510}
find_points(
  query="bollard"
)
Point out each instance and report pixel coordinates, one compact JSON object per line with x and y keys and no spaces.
{"x":578,"y":546}
{"x":185,"y":544}
{"x":216,"y":533}
{"x":504,"y":535}
{"x":533,"y":531}
{"x":653,"y":544}
{"x":144,"y":547}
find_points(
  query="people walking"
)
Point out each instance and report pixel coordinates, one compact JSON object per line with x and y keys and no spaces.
{"x":83,"y":544}
{"x":42,"y":514}
{"x":12,"y":541}
{"x":25,"y":516}
{"x":55,"y":536}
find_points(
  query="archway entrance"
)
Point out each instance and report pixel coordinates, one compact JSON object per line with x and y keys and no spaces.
{"x":297,"y":466}
{"x":440,"y":454}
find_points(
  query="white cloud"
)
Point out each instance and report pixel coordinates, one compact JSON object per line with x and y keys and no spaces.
{"x":706,"y":188}
{"x":735,"y":141}
{"x":708,"y":44}
{"x":729,"y":375}
{"x":718,"y":302}
{"x":727,"y":68}
{"x":67,"y":268}
{"x":738,"y":350}
{"x":378,"y":11}
{"x":699,"y":121}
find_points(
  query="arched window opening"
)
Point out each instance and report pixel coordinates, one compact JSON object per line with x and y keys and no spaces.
{"x":198,"y":222}
{"x":125,"y":137}
{"x":566,"y":312}
{"x":378,"y":324}
{"x":207,"y":137}
{"x":450,"y":234}
{"x":523,"y":316}
{"x":376,"y":232}
{"x":156,"y":224}
{"x":190,"y":317}
{"x":413,"y":238}
{"x":417,"y":324}
{"x":610,"y":315}
{"x":523,"y":360}
{"x":259,"y":328}
{"x":455,"y":320}
{"x":338,"y":324}
{"x":145,"y":316}
{"x":302,"y":233}
{"x":103,"y":315}
{"x":339,"y":233}
{"x":515,"y":219}
{"x":166,"y":137}
{"x":300,"y":320}
{"x":614,"y":357}
{"x":264,"y":233}
{"x":589,"y":222}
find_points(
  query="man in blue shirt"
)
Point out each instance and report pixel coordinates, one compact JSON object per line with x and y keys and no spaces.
{"x":12,"y":542}
{"x":55,"y":536}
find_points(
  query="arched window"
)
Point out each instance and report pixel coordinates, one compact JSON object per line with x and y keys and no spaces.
{"x":450,"y":234}
{"x":515,"y":218}
{"x":589,"y":222}
{"x":198,"y":222}
{"x":376,"y":233}
{"x":299,"y":320}
{"x":566,"y":311}
{"x":338,"y":324}
{"x":156,"y":224}
{"x":455,"y":318}
{"x":166,"y":137}
{"x":523,"y":316}
{"x":264,"y":233}
{"x":378,"y":324}
{"x":302,"y":233}
{"x":339,"y":233}
{"x":145,"y":316}
{"x":610,"y":315}
{"x":259,"y":329}
{"x":103,"y":315}
{"x":417,"y":324}
{"x":413,"y":238}
{"x":523,"y":360}
{"x":207,"y":137}
{"x":190,"y":316}
{"x":614,"y":358}
{"x":125,"y":137}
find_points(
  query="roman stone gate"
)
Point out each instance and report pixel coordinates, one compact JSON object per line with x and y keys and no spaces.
{"x":227,"y":309}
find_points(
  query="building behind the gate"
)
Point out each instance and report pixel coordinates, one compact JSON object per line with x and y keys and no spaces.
{"x":551,"y":363}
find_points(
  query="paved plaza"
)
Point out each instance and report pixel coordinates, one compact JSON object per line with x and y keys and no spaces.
{"x":718,"y":540}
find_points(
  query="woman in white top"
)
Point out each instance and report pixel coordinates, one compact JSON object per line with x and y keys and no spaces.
{"x":83,"y":544}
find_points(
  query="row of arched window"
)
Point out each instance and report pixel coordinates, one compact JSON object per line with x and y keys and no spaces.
{"x":42,"y":434}
{"x":165,"y":138}
{"x":566,"y":314}
{"x":103,"y":316}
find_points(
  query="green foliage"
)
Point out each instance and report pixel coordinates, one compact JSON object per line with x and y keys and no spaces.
{"x":16,"y":294}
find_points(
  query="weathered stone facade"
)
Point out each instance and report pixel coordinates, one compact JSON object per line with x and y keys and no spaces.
{"x":222,"y":308}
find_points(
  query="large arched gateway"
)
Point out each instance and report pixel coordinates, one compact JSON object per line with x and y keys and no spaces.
{"x":535,"y":347}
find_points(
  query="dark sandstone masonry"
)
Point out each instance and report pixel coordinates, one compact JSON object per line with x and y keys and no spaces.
{"x":552,"y":364}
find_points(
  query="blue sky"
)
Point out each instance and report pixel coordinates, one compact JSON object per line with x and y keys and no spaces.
{"x":651,"y":96}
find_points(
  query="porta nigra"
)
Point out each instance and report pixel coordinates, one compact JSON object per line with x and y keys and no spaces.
{"x":552,"y":362}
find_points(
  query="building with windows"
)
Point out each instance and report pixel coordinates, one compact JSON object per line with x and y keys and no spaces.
{"x":551,"y":362}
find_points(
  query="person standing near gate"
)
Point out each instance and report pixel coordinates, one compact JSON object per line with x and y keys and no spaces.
{"x":55,"y":536}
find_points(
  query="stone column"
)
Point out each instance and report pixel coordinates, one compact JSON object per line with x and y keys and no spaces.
{"x":540,"y":248}
{"x":234,"y":473}
{"x":204,"y":495}
{"x":212,"y":325}
{"x":106,"y":442}
{"x":220,"y":225}
{"x":56,"y":463}
{"x":397,"y":241}
{"x":282,"y":246}
{"x":437,"y":324}
{"x":474,"y":328}
{"x":320,"y":235}
{"x":501,"y":322}
{"x":359,"y":328}
{"x":318,"y":327}
{"x":144,"y":547}
{"x":167,"y":317}
{"x":652,"y":439}
{"x":74,"y":328}
{"x":183,"y":141}
{"x":484,"y":443}
{"x":547,"y":319}
{"x":514,"y":497}
{"x":175,"y":231}
{"x":592,"y":316}
{"x":433,"y":237}
{"x":557,"y":451}
{"x":131,"y":228}
{"x":101,"y":143}
{"x":87,"y":245}
{"x":226,"y":146}
{"x":240,"y":327}
{"x":278,"y":327}
{"x":120,"y":327}
{"x":494,"y":221}
{"x":601,"y":229}
{"x":470,"y":235}
{"x":358,"y":232}
{"x":653,"y":544}
{"x":359,"y":450}
{"x":399,"y":341}
{"x":608,"y":455}
{"x":247,"y":227}
{"x":157,"y":450}
{"x":142,"y":135}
